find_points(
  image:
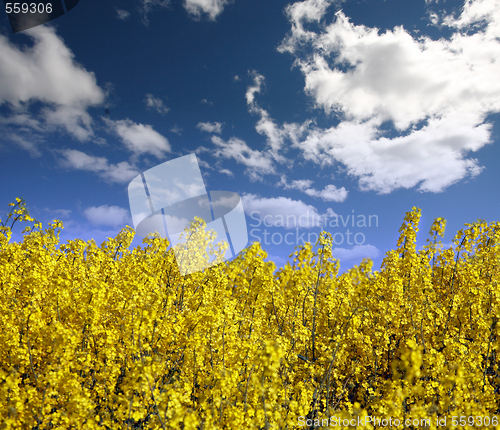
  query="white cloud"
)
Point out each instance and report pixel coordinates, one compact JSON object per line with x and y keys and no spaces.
{"x":330,"y":213}
{"x":432,"y":157}
{"x":201,"y":149}
{"x":256,"y":88}
{"x":176,"y":224}
{"x":122,"y":172}
{"x":358,"y":252}
{"x":275,"y":134}
{"x":122,"y":14}
{"x":210,"y":8}
{"x":115,"y":173}
{"x":81,"y":161}
{"x":176,"y":129}
{"x":226,"y":172}
{"x":281,"y":212}
{"x":29,"y":142}
{"x":73,"y":119}
{"x":437,"y":94}
{"x":204,"y":164}
{"x":475,"y":13}
{"x":210,"y":127}
{"x":140,"y":138}
{"x":47,"y":73}
{"x":301,"y":184}
{"x":303,"y":12}
{"x":155,"y":103}
{"x":227,"y":202}
{"x":330,"y":193}
{"x":148,"y":5}
{"x":396,"y":77}
{"x":265,"y":126}
{"x":257,"y":163}
{"x":112,"y":216}
{"x":206,"y":102}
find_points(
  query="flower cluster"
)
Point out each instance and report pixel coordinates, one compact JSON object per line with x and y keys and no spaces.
{"x":107,"y":337}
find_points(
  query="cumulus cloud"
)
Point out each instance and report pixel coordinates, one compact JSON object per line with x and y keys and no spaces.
{"x":51,"y":76}
{"x":50,"y":73}
{"x":475,"y":13}
{"x":281,"y":212}
{"x":209,"y":8}
{"x":156,"y":104}
{"x":301,"y":184}
{"x":119,"y":173}
{"x":432,"y":157}
{"x":257,"y":163}
{"x":436,"y":93}
{"x":210,"y":127}
{"x":112,"y":216}
{"x":140,"y":138}
{"x":329,"y":194}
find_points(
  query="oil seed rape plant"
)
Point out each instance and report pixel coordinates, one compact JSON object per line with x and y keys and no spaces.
{"x":111,"y":338}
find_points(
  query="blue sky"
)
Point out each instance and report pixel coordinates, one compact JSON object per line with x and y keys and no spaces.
{"x":315,"y":109}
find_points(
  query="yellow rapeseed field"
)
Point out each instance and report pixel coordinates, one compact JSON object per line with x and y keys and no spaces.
{"x":107,"y":337}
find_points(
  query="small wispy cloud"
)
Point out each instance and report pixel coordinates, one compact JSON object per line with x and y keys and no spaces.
{"x":275,"y":134}
{"x":329,"y":194}
{"x":60,"y":213}
{"x":226,"y":172}
{"x":156,"y":104}
{"x":205,"y":8}
{"x":210,"y":127}
{"x":140,"y":138}
{"x":176,"y":129}
{"x":148,"y":5}
{"x":122,"y":14}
